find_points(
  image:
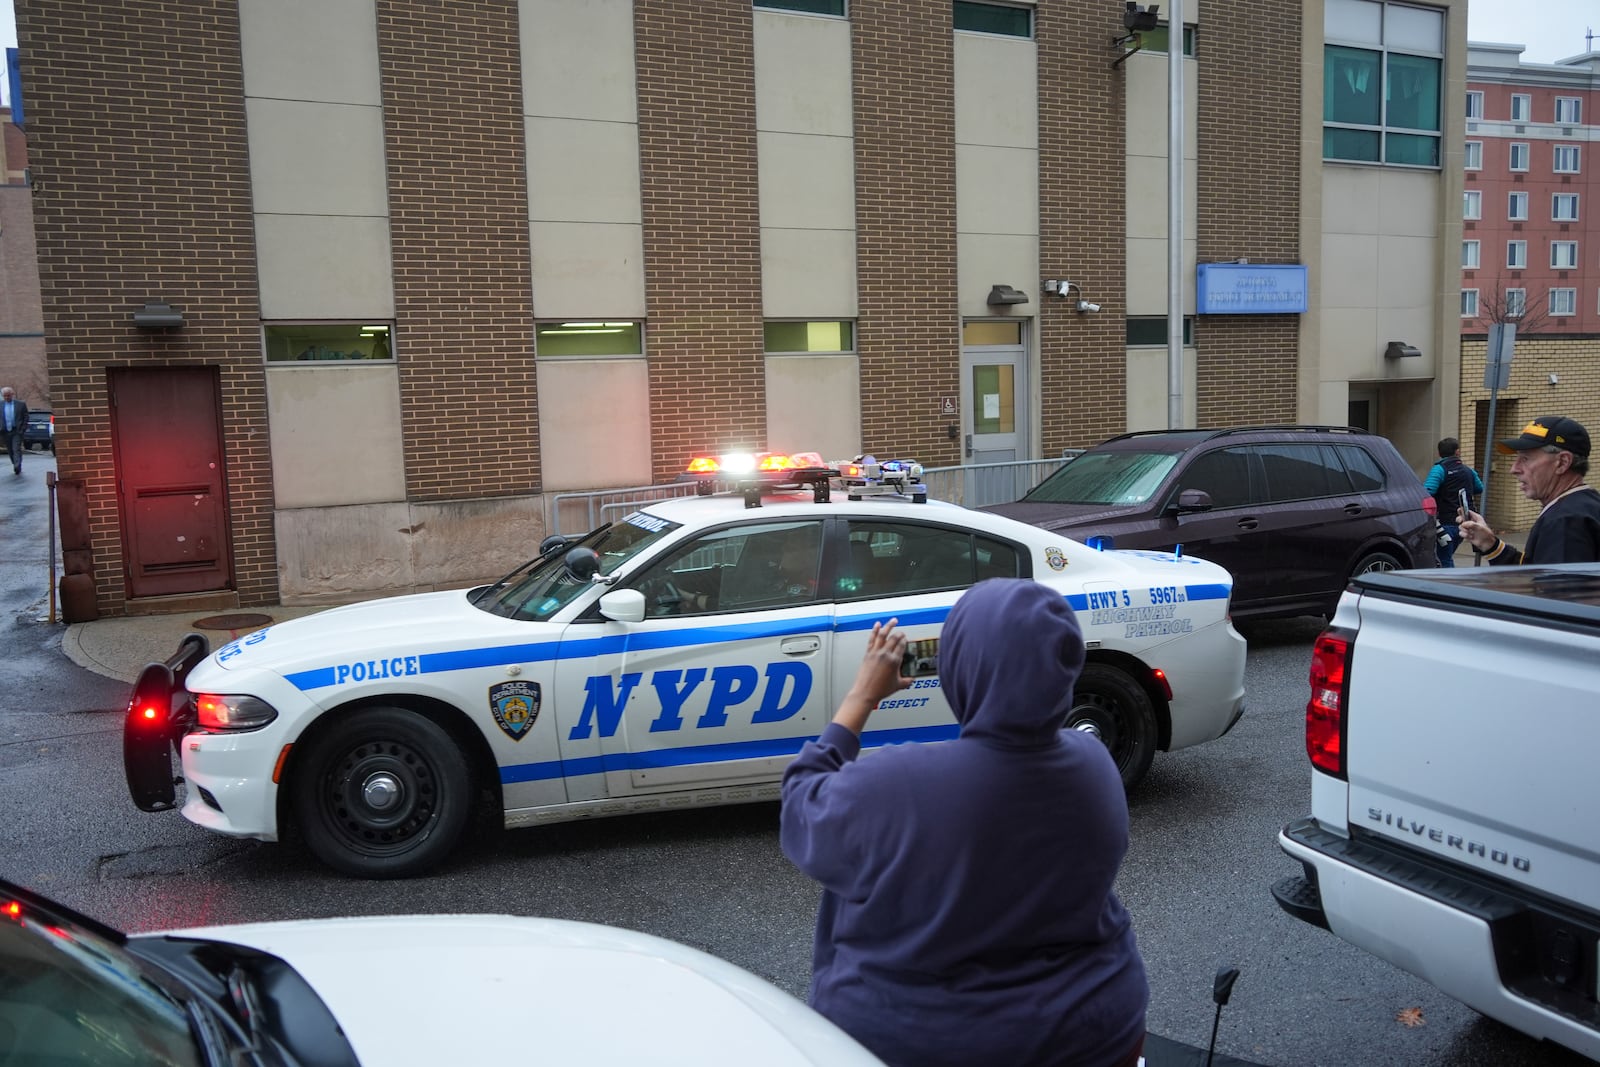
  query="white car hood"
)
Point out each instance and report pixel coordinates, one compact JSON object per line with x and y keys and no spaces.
{"x":495,"y":988}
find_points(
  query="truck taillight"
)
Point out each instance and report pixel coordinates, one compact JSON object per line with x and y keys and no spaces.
{"x":1330,"y":665}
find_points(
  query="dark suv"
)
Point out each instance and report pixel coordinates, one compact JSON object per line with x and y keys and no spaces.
{"x":1292,"y":511}
{"x":39,"y":434}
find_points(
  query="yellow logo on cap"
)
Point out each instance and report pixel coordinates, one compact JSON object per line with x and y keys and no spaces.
{"x":1533,"y":429}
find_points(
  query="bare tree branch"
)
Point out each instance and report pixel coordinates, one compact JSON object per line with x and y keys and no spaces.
{"x":1495,"y":307}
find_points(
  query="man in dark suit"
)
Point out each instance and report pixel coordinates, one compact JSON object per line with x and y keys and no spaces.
{"x":13,"y":420}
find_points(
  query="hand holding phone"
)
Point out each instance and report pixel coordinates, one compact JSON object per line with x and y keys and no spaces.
{"x":1466,"y":505}
{"x":921,"y":659}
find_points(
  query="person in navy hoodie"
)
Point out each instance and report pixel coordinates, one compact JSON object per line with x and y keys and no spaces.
{"x":967,"y":911}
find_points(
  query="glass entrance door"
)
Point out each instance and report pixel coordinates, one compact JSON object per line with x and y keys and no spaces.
{"x":994,"y":402}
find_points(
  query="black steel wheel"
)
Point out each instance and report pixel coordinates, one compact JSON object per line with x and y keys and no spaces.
{"x":1116,"y":709}
{"x":384,"y":793}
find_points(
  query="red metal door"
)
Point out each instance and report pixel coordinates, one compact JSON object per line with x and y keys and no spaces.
{"x":167,"y":438}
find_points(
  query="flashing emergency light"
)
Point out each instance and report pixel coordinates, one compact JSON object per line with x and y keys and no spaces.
{"x":752,"y":473}
{"x":869,"y":476}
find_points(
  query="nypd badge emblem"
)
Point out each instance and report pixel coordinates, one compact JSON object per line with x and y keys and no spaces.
{"x":515,"y":706}
{"x":1056,"y":558}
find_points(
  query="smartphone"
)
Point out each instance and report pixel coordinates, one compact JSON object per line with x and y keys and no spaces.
{"x":1466,"y":505}
{"x":921,"y":659}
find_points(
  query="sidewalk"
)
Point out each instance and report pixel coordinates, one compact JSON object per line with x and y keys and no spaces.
{"x":120,"y":647}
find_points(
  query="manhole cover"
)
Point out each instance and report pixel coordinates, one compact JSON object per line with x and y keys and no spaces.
{"x":242,"y":621}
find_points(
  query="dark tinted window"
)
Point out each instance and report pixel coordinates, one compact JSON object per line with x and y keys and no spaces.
{"x":1111,"y":477}
{"x":994,"y":18}
{"x":1295,"y":472}
{"x":742,"y":568}
{"x":1224,"y":473}
{"x":1366,"y":473}
{"x":817,"y":7}
{"x":890,"y":559}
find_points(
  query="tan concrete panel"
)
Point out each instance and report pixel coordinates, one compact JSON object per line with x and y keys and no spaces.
{"x":588,"y":270}
{"x":577,"y":59}
{"x":1146,"y":86}
{"x":1408,"y":202}
{"x":807,"y":181}
{"x":1147,"y":388}
{"x":996,"y":91}
{"x":310,"y":50}
{"x":1147,"y":199}
{"x":802,"y":74}
{"x":317,"y":267}
{"x":1349,"y":345}
{"x":1414,"y":326}
{"x":997,"y":190}
{"x":808,"y":274}
{"x":580,"y":170}
{"x":594,"y":423}
{"x":335,"y":435}
{"x":337,"y":555}
{"x":984,"y":260}
{"x":1349,"y":270}
{"x":1350,"y":197}
{"x":316,"y":158}
{"x":1147,"y":277}
{"x":813,"y":405}
{"x":1408,"y":273}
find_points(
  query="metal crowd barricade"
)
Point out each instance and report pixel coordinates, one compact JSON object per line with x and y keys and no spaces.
{"x":576,"y":513}
{"x":976,"y":485}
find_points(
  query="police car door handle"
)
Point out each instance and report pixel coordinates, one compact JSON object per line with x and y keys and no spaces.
{"x":800,"y":646}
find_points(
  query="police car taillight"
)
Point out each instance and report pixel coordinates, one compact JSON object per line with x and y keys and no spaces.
{"x":1330,"y":688}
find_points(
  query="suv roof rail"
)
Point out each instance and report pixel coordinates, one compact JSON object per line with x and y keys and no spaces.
{"x":1207,"y":434}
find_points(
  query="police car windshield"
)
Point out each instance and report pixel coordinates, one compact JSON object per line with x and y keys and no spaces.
{"x":546,"y":587}
{"x":1106,"y":478}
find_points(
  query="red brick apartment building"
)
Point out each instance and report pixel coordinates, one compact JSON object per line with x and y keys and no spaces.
{"x":1530,"y":251}
{"x":339,"y":293}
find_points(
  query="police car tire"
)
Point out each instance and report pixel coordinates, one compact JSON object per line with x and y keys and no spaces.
{"x":426,"y":766}
{"x":1124,"y":717}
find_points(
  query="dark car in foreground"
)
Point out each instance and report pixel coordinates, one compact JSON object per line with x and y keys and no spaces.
{"x":40,"y":433}
{"x":1292,"y":511}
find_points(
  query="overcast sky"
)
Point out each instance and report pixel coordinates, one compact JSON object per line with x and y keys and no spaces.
{"x":1555,"y":32}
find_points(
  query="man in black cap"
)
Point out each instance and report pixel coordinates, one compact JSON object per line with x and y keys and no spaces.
{"x":1552,"y":458}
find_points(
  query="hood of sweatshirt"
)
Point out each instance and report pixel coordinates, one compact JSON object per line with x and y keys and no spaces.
{"x":1009,"y":655}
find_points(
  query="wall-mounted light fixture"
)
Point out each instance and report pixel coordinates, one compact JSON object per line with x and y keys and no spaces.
{"x":1136,"y":19}
{"x":1002,"y":295}
{"x":1400,"y":350}
{"x":157,"y":315}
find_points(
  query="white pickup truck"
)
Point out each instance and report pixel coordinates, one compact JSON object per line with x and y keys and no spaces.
{"x":1454,"y":735}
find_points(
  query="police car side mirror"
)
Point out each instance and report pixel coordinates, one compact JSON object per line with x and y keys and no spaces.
{"x":1191,"y":500}
{"x":623,"y":605}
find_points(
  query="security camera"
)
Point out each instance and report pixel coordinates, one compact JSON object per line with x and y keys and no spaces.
{"x":1084,"y":305}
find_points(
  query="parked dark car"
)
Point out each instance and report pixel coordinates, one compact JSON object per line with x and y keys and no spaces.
{"x":1292,"y":511}
{"x":40,"y":433}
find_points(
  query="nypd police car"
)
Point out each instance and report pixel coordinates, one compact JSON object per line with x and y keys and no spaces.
{"x":676,"y":657}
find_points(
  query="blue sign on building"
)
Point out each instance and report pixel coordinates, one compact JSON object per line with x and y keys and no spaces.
{"x":1250,"y":289}
{"x":14,"y":89}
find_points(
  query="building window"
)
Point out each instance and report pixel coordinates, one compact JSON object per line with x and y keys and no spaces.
{"x":1516,"y":303}
{"x":787,"y":338}
{"x":592,"y":339}
{"x":1566,"y":159}
{"x":1381,"y":82}
{"x":1569,"y":110}
{"x":1156,"y":40}
{"x":1474,"y":156}
{"x":1474,"y":105}
{"x":810,"y":7}
{"x":1564,"y":207}
{"x":1519,"y":155}
{"x":1472,"y":204}
{"x":994,"y":18}
{"x":1516,"y":254}
{"x":1469,"y":303}
{"x":1563,"y":301}
{"x":328,"y":342}
{"x":1563,"y":255}
{"x":1469,"y":255}
{"x":1150,"y":330}
{"x":1517,"y":207}
{"x":1521,"y":107}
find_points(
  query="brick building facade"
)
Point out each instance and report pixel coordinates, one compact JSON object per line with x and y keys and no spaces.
{"x":434,"y":269}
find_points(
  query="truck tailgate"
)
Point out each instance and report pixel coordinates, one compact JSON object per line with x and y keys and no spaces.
{"x":1451,"y":776}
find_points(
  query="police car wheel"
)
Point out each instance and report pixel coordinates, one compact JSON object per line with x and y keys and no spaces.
{"x":383,"y":793}
{"x":1113,"y":707}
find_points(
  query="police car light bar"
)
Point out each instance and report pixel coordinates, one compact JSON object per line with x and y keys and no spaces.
{"x":869,"y":476}
{"x":751,"y":474}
